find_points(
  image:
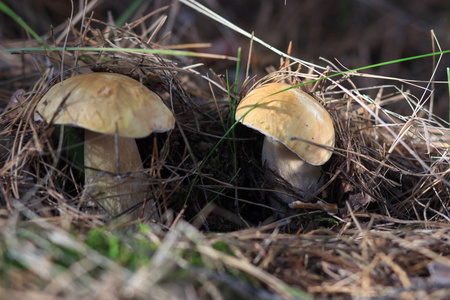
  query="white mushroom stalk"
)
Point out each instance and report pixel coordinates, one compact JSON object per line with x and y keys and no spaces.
{"x":283,"y":117}
{"x":107,"y":106}
{"x":305,"y":177}
{"x":115,"y":179}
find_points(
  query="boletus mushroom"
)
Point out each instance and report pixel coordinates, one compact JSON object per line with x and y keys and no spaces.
{"x":295,"y":126}
{"x":113,"y":110}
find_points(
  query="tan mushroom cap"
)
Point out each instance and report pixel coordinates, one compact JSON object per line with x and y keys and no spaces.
{"x":97,"y":101}
{"x":290,"y":114}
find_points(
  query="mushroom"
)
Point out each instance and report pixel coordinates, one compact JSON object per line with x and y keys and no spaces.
{"x":114,"y":110}
{"x":294,"y":125}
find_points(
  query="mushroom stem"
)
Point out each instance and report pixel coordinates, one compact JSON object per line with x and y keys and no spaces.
{"x":288,"y":165}
{"x":114,"y":192}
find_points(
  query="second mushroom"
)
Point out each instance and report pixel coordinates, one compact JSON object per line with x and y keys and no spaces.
{"x":298,"y":133}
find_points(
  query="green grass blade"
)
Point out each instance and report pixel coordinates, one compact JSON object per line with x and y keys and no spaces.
{"x":390,"y":62}
{"x":217,"y":145}
{"x":399,"y":60}
{"x":234,"y":105}
{"x":238,"y":67}
{"x":21,"y":22}
{"x":129,"y":50}
{"x":448,"y":82}
{"x":128,"y":12}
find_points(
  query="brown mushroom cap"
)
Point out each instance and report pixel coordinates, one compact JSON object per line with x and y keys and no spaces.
{"x":99,"y":101}
{"x":290,"y":114}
